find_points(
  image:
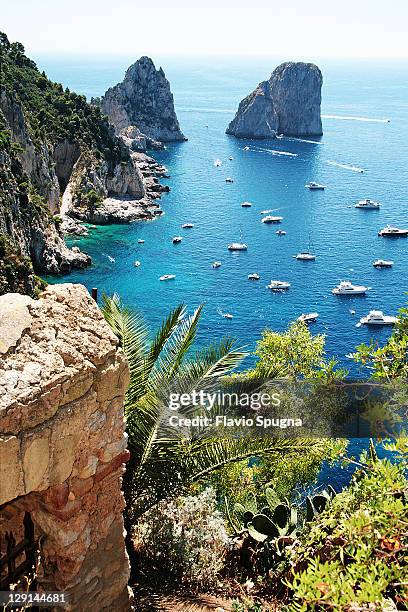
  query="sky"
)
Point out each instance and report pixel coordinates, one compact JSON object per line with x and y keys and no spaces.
{"x":301,"y":29}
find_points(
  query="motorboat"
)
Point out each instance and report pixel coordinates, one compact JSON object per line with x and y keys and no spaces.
{"x":368,"y":204}
{"x":254,"y":276}
{"x":246,"y":149}
{"x":231,"y":158}
{"x":177,"y":239}
{"x":377,"y":317}
{"x":237,"y":246}
{"x":314,"y":186}
{"x":187,"y":225}
{"x":167,"y":277}
{"x":246,"y":204}
{"x":229,"y":180}
{"x":281,"y":233}
{"x":141,"y":241}
{"x":347,"y":288}
{"x":228,"y":315}
{"x":308,"y":317}
{"x":390,"y":231}
{"x":217,"y":163}
{"x":271,"y":219}
{"x":111,"y":259}
{"x":383,"y":263}
{"x":157,"y":212}
{"x":265,"y":212}
{"x":136,"y":264}
{"x":216,"y":264}
{"x":277,"y":285}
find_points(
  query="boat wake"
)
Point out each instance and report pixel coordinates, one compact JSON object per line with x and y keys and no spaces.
{"x":299,"y":140}
{"x":351,"y":118}
{"x":275,"y":152}
{"x":346,"y":166}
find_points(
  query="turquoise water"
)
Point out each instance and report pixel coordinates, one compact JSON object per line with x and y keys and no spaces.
{"x":345,"y":239}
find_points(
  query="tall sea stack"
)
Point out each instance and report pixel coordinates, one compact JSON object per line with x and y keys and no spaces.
{"x":144,"y":102}
{"x":288,"y":103}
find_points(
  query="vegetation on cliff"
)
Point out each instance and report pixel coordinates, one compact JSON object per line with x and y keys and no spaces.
{"x":52,"y":112}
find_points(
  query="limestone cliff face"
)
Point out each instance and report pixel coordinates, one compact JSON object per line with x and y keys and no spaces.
{"x":288,"y":103}
{"x":143,"y":100}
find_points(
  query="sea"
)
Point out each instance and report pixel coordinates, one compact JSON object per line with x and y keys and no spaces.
{"x":365,"y":125}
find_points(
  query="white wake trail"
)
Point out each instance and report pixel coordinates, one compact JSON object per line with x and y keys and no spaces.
{"x":352,"y":118}
{"x":346,"y":166}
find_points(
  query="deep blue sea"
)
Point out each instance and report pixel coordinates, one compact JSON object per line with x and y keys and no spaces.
{"x":271,"y":175}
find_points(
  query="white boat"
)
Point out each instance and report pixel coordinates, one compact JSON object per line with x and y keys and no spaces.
{"x":217,"y":163}
{"x":308,"y":317}
{"x":305,"y":256}
{"x":246,"y":204}
{"x":237,"y":246}
{"x":377,"y":317}
{"x":246,"y":149}
{"x":177,"y":239}
{"x":277,"y":285}
{"x":281,"y":233}
{"x":229,"y":180}
{"x":368,"y":204}
{"x":111,"y":259}
{"x":141,"y":241}
{"x":136,"y":264}
{"x":390,"y":231}
{"x":254,"y":276}
{"x":383,"y":263}
{"x":187,"y":225}
{"x":265,"y":212}
{"x":167,"y":277}
{"x":231,"y":158}
{"x":347,"y":288}
{"x":271,"y":219}
{"x":228,"y":315}
{"x":314,"y":186}
{"x":216,"y":264}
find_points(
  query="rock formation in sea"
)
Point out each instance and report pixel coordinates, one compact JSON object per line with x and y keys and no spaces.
{"x":141,"y":107}
{"x":288,"y":103}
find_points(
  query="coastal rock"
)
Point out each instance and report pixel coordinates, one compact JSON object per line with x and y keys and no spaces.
{"x":288,"y":103}
{"x":143,"y":100}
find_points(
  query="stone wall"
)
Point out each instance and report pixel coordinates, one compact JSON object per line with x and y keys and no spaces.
{"x":62,"y":442}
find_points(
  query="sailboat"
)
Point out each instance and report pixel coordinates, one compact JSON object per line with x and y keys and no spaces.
{"x":305,"y":255}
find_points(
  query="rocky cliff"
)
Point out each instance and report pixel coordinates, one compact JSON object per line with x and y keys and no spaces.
{"x":60,"y":160}
{"x":288,"y":103}
{"x":143,"y":102}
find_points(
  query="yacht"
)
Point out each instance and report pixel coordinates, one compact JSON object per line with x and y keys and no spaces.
{"x":314,"y":186}
{"x":391,"y":231}
{"x":368,"y":204}
{"x":141,"y":241}
{"x":308,"y":317}
{"x":246,"y":204}
{"x":237,"y":246}
{"x":277,"y":285}
{"x":383,"y":263}
{"x":216,"y":264}
{"x":281,"y":233}
{"x":136,"y":264}
{"x":254,"y":276}
{"x":187,"y":225}
{"x":270,"y":219}
{"x":377,"y":317}
{"x":177,"y":239}
{"x":347,"y":288}
{"x":229,"y":180}
{"x":305,"y":256}
{"x":167,"y":277}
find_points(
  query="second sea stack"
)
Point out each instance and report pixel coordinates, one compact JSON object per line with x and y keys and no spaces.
{"x":288,"y":103}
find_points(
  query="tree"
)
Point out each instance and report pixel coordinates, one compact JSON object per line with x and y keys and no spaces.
{"x":161,"y":465}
